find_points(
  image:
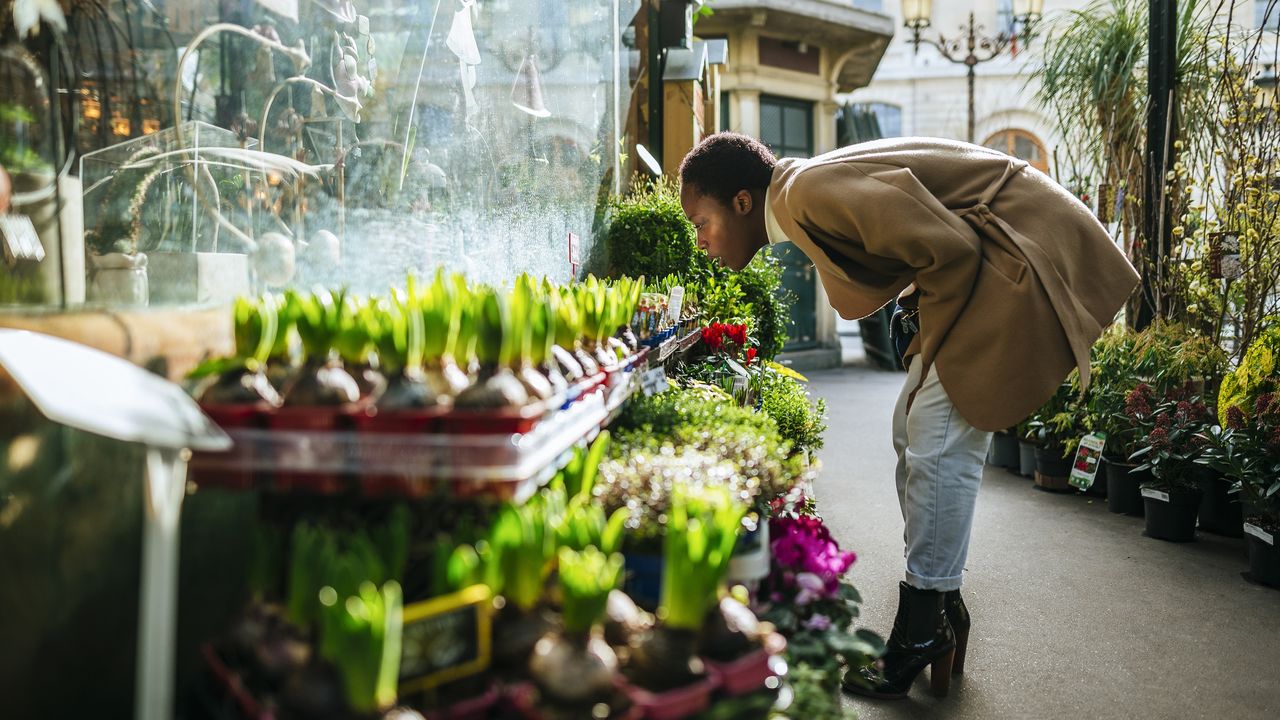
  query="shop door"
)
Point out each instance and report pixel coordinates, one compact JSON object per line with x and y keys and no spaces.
{"x":786,"y":126}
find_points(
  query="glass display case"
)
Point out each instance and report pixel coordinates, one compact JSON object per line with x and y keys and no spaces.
{"x":238,"y":147}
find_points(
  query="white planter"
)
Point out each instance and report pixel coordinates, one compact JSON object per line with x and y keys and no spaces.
{"x":751,"y":567}
{"x":197,"y":277}
{"x":118,"y":279}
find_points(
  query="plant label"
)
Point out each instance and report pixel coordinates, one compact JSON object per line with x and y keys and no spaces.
{"x":674,"y":302}
{"x":574,"y":260}
{"x":445,"y":638}
{"x":654,"y":381}
{"x":1155,"y":494}
{"x":1263,"y":535}
{"x":736,"y":367}
{"x":20,"y":240}
{"x":1085,"y":468}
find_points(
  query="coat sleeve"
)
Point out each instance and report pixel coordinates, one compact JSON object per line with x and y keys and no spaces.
{"x":885,"y":212}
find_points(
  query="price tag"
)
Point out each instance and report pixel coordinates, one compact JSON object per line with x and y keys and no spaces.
{"x":1155,"y":494}
{"x":674,"y":301}
{"x":1085,"y":469}
{"x":445,"y":638}
{"x":1259,"y":533}
{"x":20,"y":240}
{"x":654,"y":381}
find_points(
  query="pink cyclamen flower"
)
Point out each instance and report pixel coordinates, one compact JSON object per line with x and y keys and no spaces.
{"x":812,"y":587}
{"x":818,"y":622}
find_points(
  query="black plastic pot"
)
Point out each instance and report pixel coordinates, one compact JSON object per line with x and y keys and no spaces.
{"x":1052,"y":469}
{"x":1264,"y":556}
{"x":1124,"y":493}
{"x":1171,"y":515}
{"x":1004,"y":451}
{"x":1026,"y":458}
{"x":1220,"y":511}
{"x":1099,"y":487}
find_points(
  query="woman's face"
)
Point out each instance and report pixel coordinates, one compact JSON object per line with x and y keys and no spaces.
{"x":724,"y":232}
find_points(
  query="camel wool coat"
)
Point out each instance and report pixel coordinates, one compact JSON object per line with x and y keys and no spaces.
{"x":1017,"y":278}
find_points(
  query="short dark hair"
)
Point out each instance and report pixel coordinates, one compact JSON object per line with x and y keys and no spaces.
{"x":725,"y":163}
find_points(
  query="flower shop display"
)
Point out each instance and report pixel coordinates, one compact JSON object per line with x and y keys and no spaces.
{"x":1054,"y":430}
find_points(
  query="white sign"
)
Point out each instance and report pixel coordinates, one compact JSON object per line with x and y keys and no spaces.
{"x":654,"y":381}
{"x":89,"y":390}
{"x":1085,"y":468}
{"x":574,"y":261}
{"x":1155,"y":494}
{"x":674,"y":301}
{"x":20,"y":240}
{"x":1259,"y":533}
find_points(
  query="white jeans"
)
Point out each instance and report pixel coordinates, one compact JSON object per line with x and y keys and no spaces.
{"x":940,"y":460}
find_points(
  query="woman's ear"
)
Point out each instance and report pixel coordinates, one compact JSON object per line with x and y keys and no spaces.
{"x":742,"y":202}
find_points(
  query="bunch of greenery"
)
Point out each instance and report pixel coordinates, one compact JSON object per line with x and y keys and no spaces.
{"x":1174,"y":441}
{"x":1246,"y":450}
{"x":1255,"y":375}
{"x":702,"y":532}
{"x":361,"y":635}
{"x":692,"y":437}
{"x":650,"y":236}
{"x":1093,"y":85}
{"x":1056,"y":424}
{"x":784,"y":398}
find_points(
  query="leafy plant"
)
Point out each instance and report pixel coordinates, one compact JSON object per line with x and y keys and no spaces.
{"x":520,"y":549}
{"x":649,"y":235}
{"x":361,"y":635}
{"x":1255,"y":376}
{"x":1174,"y":442}
{"x":586,"y":577}
{"x":1246,"y":450}
{"x":799,"y":419}
{"x":702,"y":531}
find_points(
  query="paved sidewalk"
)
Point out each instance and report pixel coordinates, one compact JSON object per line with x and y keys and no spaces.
{"x":1075,"y":613}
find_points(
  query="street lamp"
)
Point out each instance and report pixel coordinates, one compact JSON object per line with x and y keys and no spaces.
{"x":971,"y":47}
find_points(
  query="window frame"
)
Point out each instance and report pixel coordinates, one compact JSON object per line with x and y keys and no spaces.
{"x":1011,"y":136}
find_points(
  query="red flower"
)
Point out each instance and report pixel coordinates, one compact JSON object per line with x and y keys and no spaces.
{"x":1235,"y":418}
{"x":1159,"y":439}
{"x":1137,"y":404}
{"x":737,"y":333}
{"x":713,"y":336}
{"x":751,"y":355}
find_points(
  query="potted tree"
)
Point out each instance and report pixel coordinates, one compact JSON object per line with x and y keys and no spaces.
{"x":1124,"y":479}
{"x":1172,"y":445}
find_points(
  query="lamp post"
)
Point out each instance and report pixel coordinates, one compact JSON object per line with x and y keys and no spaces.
{"x":972,"y":47}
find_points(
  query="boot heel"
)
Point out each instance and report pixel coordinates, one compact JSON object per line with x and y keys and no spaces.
{"x":940,"y":674}
{"x":962,"y":646}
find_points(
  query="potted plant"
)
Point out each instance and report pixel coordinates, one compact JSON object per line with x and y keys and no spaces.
{"x":1026,"y":449}
{"x":1054,"y":427}
{"x":573,"y":667}
{"x":1247,"y":452}
{"x":1173,"y":444}
{"x":495,"y":386}
{"x":235,"y":392}
{"x":668,"y":678}
{"x":318,"y":396}
{"x":1004,"y":451}
{"x":1124,"y":478}
{"x":117,"y":270}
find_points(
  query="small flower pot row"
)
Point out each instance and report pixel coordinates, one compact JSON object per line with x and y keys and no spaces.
{"x":261,"y":463}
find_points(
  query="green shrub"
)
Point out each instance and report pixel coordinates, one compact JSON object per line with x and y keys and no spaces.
{"x":649,"y":235}
{"x":798,"y":419}
{"x":1255,"y":375}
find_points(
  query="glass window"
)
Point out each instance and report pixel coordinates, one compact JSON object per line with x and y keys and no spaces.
{"x":1266,"y":14}
{"x":786,"y":126}
{"x":240,"y":150}
{"x":1022,"y":145}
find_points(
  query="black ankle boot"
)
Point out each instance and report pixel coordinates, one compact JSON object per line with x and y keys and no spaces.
{"x":921,"y":637}
{"x":958,"y":616}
